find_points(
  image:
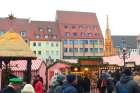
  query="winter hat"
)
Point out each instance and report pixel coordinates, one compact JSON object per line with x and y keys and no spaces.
{"x":15,"y":80}
{"x":28,"y":88}
{"x":60,"y":78}
{"x":70,"y":78}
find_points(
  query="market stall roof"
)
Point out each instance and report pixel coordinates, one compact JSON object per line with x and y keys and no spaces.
{"x":13,"y":46}
{"x":20,"y":65}
{"x":119,"y":61}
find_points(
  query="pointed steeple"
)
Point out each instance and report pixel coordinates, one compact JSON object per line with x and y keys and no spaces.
{"x":108,"y":32}
{"x":107,"y":24}
{"x":108,"y":40}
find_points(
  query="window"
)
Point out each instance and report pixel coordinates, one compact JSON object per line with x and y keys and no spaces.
{"x":57,"y":52}
{"x":71,"y":41}
{"x":100,"y":49}
{"x":65,"y":26}
{"x":34,"y":43}
{"x":46,"y":35}
{"x":70,"y":49}
{"x":54,"y":37}
{"x":75,"y":41}
{"x":90,"y":41}
{"x":67,"y":34}
{"x":91,"y":49}
{"x":81,"y":49}
{"x":49,"y":29}
{"x":34,"y":52}
{"x":73,"y":27}
{"x":65,"y":50}
{"x":85,"y":41}
{"x":23,"y":33}
{"x":83,"y":34}
{"x":39,"y":52}
{"x":95,"y":49}
{"x":65,"y":41}
{"x":37,"y":36}
{"x":81,"y":41}
{"x":86,"y":49}
{"x":52,"y":44}
{"x":96,"y":42}
{"x":39,"y":43}
{"x":80,"y":27}
{"x":90,"y":34}
{"x":40,"y":29}
{"x":74,"y":34}
{"x":75,"y":49}
{"x":56,"y":44}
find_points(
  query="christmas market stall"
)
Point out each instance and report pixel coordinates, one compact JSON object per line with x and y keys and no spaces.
{"x":13,"y":47}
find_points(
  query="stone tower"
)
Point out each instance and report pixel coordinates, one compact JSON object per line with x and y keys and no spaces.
{"x":109,"y":50}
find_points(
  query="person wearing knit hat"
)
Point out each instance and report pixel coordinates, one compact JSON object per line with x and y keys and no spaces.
{"x":71,"y":78}
{"x":14,"y":85}
{"x":28,"y":88}
{"x":69,"y":84}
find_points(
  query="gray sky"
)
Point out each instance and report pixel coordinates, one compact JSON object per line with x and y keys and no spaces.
{"x":124,"y":15}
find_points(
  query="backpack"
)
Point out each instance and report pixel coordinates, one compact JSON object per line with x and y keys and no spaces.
{"x":122,"y":89}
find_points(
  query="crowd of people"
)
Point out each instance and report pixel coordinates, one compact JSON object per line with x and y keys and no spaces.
{"x":120,"y":81}
{"x":16,"y":85}
{"x":70,"y":84}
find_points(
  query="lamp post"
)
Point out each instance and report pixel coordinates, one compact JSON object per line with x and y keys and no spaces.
{"x":48,"y":63}
{"x":124,"y":52}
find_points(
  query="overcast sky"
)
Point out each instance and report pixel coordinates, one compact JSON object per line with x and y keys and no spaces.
{"x":124,"y":15}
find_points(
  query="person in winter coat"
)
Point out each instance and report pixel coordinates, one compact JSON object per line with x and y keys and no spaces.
{"x":14,"y":85}
{"x":68,"y":86}
{"x":86,"y":83}
{"x":57,"y":85}
{"x":28,"y":88}
{"x":38,"y":86}
{"x":127,"y":83}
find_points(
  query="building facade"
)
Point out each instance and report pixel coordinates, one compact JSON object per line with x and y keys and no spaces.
{"x":131,"y":43}
{"x":80,"y":34}
{"x":72,"y":35}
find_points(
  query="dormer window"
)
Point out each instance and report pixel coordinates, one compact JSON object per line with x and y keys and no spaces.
{"x":73,"y":27}
{"x":23,"y":33}
{"x":49,"y":29}
{"x":37,"y":36}
{"x":54,"y":37}
{"x":46,"y":36}
{"x":40,"y":29}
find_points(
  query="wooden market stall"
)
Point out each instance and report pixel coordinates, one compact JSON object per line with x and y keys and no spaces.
{"x":13,"y":47}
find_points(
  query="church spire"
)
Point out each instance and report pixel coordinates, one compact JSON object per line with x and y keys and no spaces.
{"x":107,"y":24}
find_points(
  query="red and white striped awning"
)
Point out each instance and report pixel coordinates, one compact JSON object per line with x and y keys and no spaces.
{"x":20,"y":65}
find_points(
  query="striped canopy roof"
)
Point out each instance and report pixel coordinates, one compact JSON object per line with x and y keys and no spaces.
{"x":20,"y":65}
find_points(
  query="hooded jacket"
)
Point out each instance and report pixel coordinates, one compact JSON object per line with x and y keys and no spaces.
{"x":69,"y":88}
{"x":128,"y":83}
